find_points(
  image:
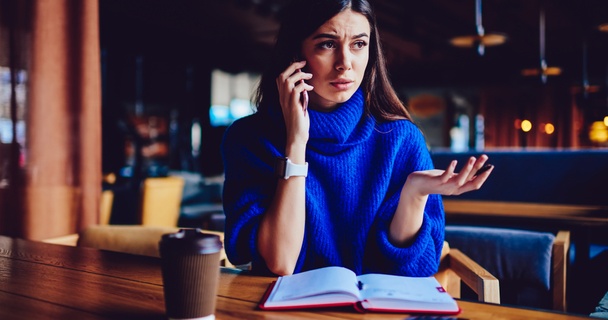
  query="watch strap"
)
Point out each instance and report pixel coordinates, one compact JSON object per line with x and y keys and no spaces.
{"x":285,"y":169}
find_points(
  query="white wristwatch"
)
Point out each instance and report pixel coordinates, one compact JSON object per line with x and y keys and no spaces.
{"x":284,"y":168}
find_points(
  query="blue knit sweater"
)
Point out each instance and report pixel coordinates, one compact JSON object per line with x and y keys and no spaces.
{"x":357,"y":168}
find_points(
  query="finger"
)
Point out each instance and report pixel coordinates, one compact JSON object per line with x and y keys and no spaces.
{"x":476,"y":183}
{"x":296,"y":81}
{"x":479,"y":165}
{"x":481,"y":161}
{"x":299,"y":77}
{"x":292,"y":87}
{"x":466,"y":171}
{"x":301,"y":92}
{"x":289,"y":71}
{"x":294,"y":68}
{"x":449,"y":171}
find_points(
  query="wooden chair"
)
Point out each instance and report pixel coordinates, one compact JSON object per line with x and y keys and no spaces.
{"x":530,"y":265}
{"x":106,"y":202}
{"x":107,"y":198}
{"x":161,"y":201}
{"x":133,"y":239}
{"x":456,"y":268}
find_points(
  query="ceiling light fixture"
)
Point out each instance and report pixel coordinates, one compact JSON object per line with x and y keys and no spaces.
{"x":544,"y":71}
{"x":481,"y":39}
{"x":587,"y":87}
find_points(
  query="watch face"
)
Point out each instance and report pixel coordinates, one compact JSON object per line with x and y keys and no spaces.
{"x":280,"y":166}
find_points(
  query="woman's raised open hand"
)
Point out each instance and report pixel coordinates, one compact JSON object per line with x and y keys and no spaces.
{"x":449,"y":182}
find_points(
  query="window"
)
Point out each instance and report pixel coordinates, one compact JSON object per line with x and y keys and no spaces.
{"x":231,"y":96}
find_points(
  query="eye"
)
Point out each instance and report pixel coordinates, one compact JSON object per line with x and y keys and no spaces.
{"x":327,"y":45}
{"x":360,"y":44}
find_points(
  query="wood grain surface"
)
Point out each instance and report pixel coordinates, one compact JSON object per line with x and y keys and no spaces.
{"x":48,"y":281}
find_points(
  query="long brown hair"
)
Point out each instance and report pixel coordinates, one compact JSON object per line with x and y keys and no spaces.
{"x":298,"y":21}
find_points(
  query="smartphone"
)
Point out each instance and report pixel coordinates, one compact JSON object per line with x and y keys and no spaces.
{"x":483,"y":169}
{"x":304,"y":97}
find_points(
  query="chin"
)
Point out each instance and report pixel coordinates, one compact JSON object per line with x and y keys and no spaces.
{"x":331,"y":98}
{"x":344,"y":96}
{"x":341,"y":96}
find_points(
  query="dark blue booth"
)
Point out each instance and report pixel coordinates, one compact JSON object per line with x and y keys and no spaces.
{"x":577,"y":177}
{"x":560,"y":177}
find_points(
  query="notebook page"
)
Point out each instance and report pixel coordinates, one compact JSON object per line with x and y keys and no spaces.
{"x":315,"y":282}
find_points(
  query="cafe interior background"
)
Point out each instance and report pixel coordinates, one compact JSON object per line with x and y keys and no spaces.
{"x":159,"y":81}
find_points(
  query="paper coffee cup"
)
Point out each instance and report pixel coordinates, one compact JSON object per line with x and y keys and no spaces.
{"x":190,"y":270}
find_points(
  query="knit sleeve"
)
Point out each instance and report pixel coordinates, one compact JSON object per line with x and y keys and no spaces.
{"x":248,"y":188}
{"x":421,"y":257}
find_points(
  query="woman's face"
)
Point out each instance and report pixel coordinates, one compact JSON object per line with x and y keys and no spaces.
{"x":337,"y":54}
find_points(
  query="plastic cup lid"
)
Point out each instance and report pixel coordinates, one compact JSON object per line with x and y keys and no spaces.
{"x":191,"y":241}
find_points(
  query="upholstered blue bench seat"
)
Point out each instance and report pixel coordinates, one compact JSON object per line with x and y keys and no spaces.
{"x":520,"y":259}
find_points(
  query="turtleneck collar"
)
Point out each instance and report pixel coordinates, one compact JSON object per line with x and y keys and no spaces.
{"x":344,"y":125}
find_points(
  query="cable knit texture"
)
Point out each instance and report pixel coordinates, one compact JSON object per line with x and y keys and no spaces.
{"x":357,"y":168}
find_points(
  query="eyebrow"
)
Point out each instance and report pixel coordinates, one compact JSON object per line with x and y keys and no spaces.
{"x":333,"y":36}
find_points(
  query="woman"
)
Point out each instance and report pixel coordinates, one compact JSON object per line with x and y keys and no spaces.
{"x":356,"y":185}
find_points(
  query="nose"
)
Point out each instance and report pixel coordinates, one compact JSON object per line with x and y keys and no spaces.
{"x":344,"y":60}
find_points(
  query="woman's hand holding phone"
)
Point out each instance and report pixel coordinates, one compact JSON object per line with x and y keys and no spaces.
{"x":293,"y":96}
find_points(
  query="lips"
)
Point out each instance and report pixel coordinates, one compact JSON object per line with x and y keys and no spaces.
{"x":342,"y":84}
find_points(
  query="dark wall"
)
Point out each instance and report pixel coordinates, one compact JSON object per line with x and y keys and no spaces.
{"x":161,"y":64}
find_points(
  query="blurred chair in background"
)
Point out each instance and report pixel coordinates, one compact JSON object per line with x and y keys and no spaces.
{"x":161,"y":199}
{"x":106,"y":201}
{"x":202,"y":202}
{"x":133,"y":239}
{"x":107,"y":197}
{"x":601,"y":311}
{"x":530,"y":265}
{"x":159,"y":213}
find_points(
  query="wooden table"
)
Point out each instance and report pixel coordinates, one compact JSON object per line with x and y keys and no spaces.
{"x":48,"y":281}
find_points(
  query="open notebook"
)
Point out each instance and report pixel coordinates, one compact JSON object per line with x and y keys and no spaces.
{"x":338,"y":286}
